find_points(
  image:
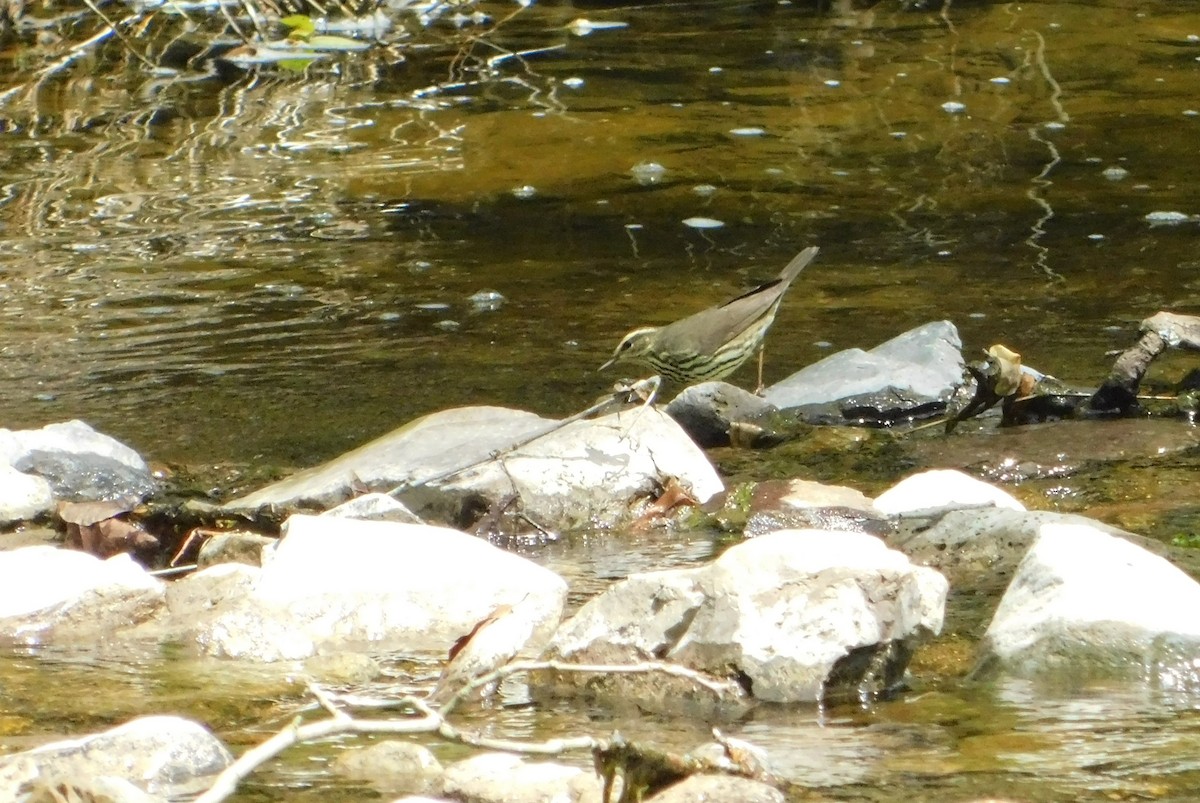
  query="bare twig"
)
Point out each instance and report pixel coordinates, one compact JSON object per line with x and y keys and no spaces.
{"x":430,"y":720}
{"x":226,"y":783}
{"x":718,"y":687}
{"x":619,"y":396}
{"x":117,"y":32}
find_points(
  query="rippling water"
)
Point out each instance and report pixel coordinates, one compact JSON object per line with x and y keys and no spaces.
{"x":249,"y":271}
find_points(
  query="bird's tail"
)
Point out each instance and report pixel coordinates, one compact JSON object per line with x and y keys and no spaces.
{"x":798,"y":263}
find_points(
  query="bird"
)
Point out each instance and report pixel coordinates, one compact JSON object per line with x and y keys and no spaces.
{"x":713,"y":343}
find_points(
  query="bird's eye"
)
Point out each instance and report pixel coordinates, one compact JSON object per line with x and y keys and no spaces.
{"x":625,"y":344}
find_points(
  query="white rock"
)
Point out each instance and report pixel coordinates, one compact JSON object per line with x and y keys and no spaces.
{"x":74,"y":437}
{"x":23,"y":496}
{"x":942,"y":488}
{"x":340,"y":583}
{"x":781,"y":610}
{"x":589,"y":471}
{"x":785,"y":607}
{"x":166,"y":756}
{"x":38,"y":578}
{"x":1086,"y":598}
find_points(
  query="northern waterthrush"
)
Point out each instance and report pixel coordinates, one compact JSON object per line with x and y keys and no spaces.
{"x":715,"y":342}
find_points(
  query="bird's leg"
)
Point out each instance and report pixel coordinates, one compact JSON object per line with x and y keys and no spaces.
{"x":758,"y":391}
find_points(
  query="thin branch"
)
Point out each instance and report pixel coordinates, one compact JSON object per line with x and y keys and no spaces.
{"x":226,"y":783}
{"x":720,"y":688}
{"x":645,"y":389}
{"x":116,"y":31}
{"x":434,"y":721}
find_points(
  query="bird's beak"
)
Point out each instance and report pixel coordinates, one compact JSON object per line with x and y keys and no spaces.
{"x":606,"y":365}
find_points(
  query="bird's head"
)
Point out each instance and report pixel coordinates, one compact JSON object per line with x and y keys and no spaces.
{"x":633,"y":347}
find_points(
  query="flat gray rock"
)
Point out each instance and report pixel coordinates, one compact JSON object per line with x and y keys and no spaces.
{"x":419,"y":450}
{"x":460,"y":466}
{"x":920,"y":367}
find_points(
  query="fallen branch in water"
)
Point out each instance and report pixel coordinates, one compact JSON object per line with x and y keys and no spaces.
{"x":1162,"y":331}
{"x":426,"y":719}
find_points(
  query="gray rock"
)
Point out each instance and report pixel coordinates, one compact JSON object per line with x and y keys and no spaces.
{"x":1086,"y":605}
{"x":343,"y":584}
{"x":71,"y":460}
{"x":505,"y":778}
{"x":76,"y":477}
{"x":394,"y":767}
{"x":51,"y":594}
{"x":233,"y":548}
{"x":168,"y":757}
{"x":375,"y":507}
{"x":797,"y":614}
{"x":588,"y":473}
{"x":707,"y":788}
{"x":978,"y":549}
{"x":708,"y":411}
{"x":419,"y":450}
{"x":915,"y":371}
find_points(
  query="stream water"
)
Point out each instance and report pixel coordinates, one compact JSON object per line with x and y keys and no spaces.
{"x":267,"y":269}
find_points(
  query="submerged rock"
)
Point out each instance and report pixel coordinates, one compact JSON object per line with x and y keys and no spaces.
{"x":796,"y":615}
{"x":1086,"y":605}
{"x":394,"y":767}
{"x":914,"y":373}
{"x":164,"y":756}
{"x":505,"y":778}
{"x":704,"y":788}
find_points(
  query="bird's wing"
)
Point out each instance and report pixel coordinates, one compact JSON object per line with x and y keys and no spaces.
{"x":708,"y":330}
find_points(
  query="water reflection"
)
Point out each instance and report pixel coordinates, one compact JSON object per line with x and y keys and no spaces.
{"x":150,"y":252}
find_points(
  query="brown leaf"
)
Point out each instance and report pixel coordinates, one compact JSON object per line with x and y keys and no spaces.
{"x":461,"y":643}
{"x":87,"y":513}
